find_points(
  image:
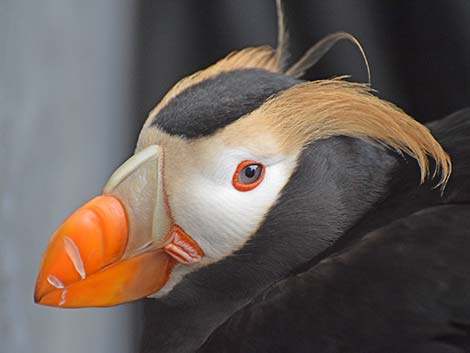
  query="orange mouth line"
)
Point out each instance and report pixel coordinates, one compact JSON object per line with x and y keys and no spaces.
{"x":182,"y":247}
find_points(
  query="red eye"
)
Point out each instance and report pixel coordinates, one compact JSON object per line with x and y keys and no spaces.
{"x":249,"y":174}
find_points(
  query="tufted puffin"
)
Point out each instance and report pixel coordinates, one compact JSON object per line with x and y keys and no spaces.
{"x":264,"y":213}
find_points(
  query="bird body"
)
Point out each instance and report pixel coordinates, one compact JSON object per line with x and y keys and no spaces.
{"x":264,"y":213}
{"x":397,"y":280}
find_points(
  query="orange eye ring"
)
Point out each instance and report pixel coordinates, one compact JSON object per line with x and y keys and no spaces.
{"x":242,"y":186}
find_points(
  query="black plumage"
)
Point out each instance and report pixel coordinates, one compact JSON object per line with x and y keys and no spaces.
{"x":356,"y":256}
{"x":203,"y":108}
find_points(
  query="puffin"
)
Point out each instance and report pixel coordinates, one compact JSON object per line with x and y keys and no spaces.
{"x":264,"y":213}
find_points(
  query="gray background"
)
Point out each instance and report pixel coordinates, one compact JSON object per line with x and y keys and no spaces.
{"x":65,"y":117}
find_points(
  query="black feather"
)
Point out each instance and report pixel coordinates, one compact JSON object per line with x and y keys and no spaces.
{"x":203,"y":108}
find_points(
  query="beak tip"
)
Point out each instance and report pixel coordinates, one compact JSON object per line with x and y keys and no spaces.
{"x":37,"y":299}
{"x":90,"y":239}
{"x":37,"y":295}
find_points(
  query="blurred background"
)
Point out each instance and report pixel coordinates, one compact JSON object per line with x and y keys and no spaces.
{"x":77,"y":78}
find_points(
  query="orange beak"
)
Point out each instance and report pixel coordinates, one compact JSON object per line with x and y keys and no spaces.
{"x":84,"y":264}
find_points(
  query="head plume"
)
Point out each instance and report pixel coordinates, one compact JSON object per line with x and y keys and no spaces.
{"x":321,"y":109}
{"x":317,"y":110}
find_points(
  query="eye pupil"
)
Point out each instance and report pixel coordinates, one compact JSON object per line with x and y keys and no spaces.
{"x":250,"y":174}
{"x":250,"y":171}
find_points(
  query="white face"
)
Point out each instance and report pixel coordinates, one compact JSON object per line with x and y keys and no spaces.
{"x":198,"y":180}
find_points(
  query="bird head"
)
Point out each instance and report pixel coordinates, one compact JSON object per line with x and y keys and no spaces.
{"x":220,"y":157}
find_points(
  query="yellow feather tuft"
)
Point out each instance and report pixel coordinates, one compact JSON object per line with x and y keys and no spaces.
{"x":321,"y":109}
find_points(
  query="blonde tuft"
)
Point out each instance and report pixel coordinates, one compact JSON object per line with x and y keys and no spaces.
{"x":321,"y":109}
